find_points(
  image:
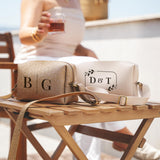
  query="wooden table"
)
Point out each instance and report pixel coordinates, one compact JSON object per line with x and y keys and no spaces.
{"x":77,"y":114}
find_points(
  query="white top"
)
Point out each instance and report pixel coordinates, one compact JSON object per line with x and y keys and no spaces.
{"x":57,"y":45}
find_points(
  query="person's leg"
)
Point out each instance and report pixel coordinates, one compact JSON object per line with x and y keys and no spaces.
{"x":120,"y":127}
{"x":147,"y":152}
{"x":90,"y":146}
{"x":122,"y":146}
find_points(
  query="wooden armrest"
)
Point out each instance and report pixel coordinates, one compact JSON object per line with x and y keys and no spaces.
{"x":8,"y":65}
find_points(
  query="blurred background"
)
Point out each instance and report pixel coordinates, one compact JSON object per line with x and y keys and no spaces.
{"x":129,"y":31}
{"x":10,"y":10}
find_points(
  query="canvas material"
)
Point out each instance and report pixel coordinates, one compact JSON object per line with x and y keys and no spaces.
{"x":40,"y":79}
{"x":117,"y":77}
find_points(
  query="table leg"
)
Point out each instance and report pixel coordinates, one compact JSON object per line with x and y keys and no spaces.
{"x":66,"y":136}
{"x":22,"y":146}
{"x":62,"y":144}
{"x":27,"y":133}
{"x":145,"y":124}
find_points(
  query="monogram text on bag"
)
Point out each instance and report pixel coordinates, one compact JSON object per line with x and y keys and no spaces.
{"x":45,"y":83}
{"x":104,"y":79}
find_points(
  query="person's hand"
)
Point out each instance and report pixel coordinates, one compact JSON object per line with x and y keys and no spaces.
{"x":44,"y":24}
{"x":82,"y":51}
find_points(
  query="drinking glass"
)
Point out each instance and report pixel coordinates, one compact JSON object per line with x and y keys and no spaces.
{"x":58,"y":24}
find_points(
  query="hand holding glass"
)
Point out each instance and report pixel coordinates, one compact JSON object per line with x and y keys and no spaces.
{"x":57,"y":26}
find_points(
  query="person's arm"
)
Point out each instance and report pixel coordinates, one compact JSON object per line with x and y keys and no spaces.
{"x":83,"y":51}
{"x":34,"y":21}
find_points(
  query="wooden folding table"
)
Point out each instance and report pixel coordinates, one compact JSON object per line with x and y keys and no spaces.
{"x":76,"y":115}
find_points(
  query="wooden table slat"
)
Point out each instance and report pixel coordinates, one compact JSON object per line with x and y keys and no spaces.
{"x":88,"y":110}
{"x":43,"y":110}
{"x":18,"y":105}
{"x":153,"y":105}
{"x":142,"y":107}
{"x":122,"y":108}
{"x":106,"y":109}
{"x":67,"y":109}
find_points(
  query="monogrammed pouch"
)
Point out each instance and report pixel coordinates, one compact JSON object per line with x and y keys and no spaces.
{"x":113,"y":81}
{"x":114,"y":76}
{"x":40,"y":79}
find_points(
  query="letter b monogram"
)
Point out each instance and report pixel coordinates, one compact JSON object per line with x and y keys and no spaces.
{"x":27,"y":82}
